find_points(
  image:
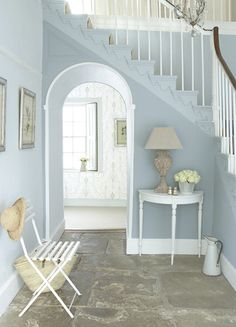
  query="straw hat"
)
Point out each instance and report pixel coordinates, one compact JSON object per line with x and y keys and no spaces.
{"x":13,"y":218}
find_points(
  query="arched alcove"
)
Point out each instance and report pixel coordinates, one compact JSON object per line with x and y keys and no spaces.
{"x":61,"y":86}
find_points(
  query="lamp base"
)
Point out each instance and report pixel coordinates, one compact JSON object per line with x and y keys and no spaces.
{"x":162,"y":187}
{"x":163,"y":162}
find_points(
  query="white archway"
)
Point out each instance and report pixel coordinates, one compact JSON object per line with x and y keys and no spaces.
{"x":61,"y":86}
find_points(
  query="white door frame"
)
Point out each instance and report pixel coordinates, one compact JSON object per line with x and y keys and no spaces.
{"x":61,"y":86}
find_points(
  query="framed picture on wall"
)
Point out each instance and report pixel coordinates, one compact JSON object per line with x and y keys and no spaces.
{"x":3,"y":95}
{"x":27,"y":119}
{"x":120,"y":132}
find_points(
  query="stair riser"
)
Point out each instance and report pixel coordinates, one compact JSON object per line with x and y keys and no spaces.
{"x":227,"y":160}
{"x":98,"y":36}
{"x":203,"y":114}
{"x":162,"y":86}
{"x":231,"y":165}
{"x":168,"y":85}
{"x":124,"y":52}
{"x":188,"y":98}
{"x":225,"y":145}
{"x":143,"y":68}
{"x":59,"y":7}
{"x":165,"y":82}
{"x":207,"y":127}
{"x":76,"y":22}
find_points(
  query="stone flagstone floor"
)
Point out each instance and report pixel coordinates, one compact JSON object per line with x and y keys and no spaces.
{"x":130,"y":291}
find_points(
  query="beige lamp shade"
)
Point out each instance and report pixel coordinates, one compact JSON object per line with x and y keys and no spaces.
{"x":163,"y":138}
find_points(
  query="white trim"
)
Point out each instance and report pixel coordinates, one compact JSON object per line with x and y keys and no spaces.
{"x":182,"y":246}
{"x":69,"y":79}
{"x":123,"y":88}
{"x":69,"y":202}
{"x":9,"y":290}
{"x":95,"y":218}
{"x":146,"y":24}
{"x":46,"y":167}
{"x":163,"y":246}
{"x":130,"y":170}
{"x":13,"y":57}
{"x":55,"y":236}
{"x":229,"y":271}
{"x":98,"y":101}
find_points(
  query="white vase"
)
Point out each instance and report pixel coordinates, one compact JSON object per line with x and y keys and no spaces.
{"x":186,"y":188}
{"x":83,"y":166}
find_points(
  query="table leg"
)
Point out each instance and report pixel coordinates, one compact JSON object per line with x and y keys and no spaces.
{"x":200,"y":228}
{"x":174,"y":206}
{"x":140,"y":225}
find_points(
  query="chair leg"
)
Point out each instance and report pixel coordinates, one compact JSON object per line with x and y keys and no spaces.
{"x":55,"y":294}
{"x":68,"y":279}
{"x":49,"y":278}
{"x":46,"y":283}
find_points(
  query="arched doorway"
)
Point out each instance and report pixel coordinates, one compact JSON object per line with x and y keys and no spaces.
{"x":66,"y":81}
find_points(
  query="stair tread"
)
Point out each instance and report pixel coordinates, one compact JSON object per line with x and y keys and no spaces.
{"x":120,"y":47}
{"x":206,"y":121}
{"x":187,"y":92}
{"x":143,"y":61}
{"x":203,"y":107}
{"x":164,"y":77}
{"x":144,"y":67}
{"x":102,"y":32}
{"x":74,"y":16}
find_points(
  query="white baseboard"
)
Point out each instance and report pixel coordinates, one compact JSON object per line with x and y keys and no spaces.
{"x":9,"y":290}
{"x":55,"y":236}
{"x":70,"y":202}
{"x":229,"y":271}
{"x":91,"y":218}
{"x":163,"y":246}
{"x":182,"y":246}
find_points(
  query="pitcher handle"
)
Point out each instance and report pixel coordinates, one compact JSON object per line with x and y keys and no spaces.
{"x":221,"y":248}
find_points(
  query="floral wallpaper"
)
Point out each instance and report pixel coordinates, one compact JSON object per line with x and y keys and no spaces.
{"x":110,"y":182}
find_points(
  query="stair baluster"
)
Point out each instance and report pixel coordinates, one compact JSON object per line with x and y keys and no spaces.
{"x":203,"y":69}
{"x":224,"y":93}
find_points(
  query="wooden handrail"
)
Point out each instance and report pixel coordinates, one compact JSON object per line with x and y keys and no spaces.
{"x":220,"y":57}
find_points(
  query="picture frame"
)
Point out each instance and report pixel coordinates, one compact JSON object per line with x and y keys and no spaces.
{"x":3,"y":97}
{"x":120,"y":132}
{"x":27,"y":119}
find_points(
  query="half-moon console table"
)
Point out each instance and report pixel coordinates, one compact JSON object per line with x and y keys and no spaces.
{"x":174,"y":201}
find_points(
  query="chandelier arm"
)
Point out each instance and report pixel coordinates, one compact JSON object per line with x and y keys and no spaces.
{"x":187,"y":14}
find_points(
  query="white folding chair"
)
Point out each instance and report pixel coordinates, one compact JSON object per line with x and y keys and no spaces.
{"x":60,"y":253}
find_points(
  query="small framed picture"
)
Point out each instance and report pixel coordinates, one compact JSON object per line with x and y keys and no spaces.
{"x":120,"y":132}
{"x":3,"y":96}
{"x":27,"y":119}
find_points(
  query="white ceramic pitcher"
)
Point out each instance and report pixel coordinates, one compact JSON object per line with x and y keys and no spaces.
{"x":211,"y":265}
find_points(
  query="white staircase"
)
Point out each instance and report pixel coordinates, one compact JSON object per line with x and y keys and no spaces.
{"x":101,"y":43}
{"x":123,"y":57}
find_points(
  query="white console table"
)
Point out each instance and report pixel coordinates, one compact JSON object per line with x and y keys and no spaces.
{"x":174,"y":201}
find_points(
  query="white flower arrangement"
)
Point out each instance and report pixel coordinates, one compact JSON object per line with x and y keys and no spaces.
{"x":189,"y":176}
{"x":83,"y":159}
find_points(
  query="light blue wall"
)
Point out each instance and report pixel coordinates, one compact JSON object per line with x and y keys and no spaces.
{"x":60,"y":52}
{"x":198,"y":153}
{"x":228,"y":49}
{"x":20,"y":170}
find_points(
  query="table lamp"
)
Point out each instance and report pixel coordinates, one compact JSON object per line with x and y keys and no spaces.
{"x":163,"y":139}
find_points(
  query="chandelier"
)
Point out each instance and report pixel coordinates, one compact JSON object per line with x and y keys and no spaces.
{"x":189,"y":10}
